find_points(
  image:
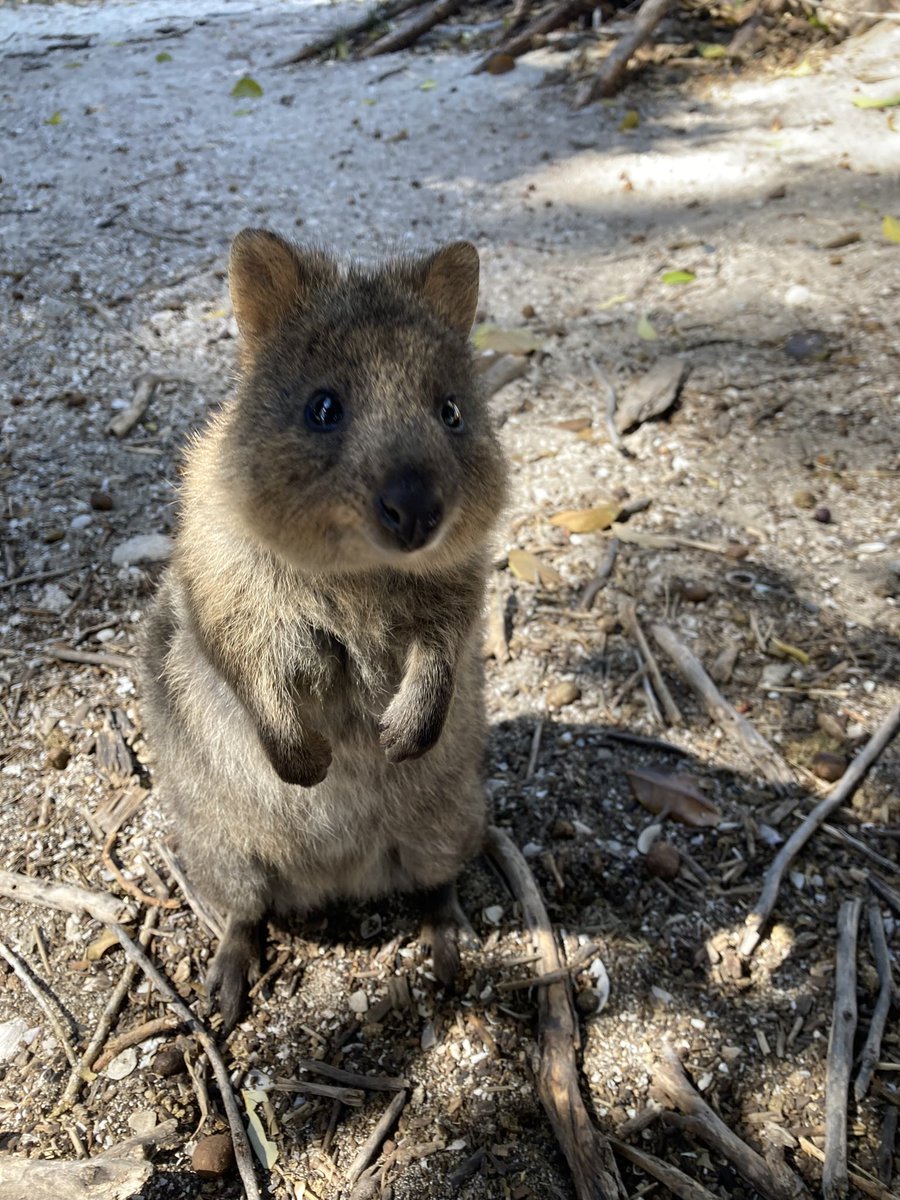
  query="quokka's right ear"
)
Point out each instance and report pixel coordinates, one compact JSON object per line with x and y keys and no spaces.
{"x":269,"y":278}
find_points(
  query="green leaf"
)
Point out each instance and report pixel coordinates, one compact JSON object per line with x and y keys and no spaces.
{"x":675,"y":277}
{"x":70,"y":66}
{"x":631,"y":120}
{"x":890,"y":227}
{"x":246,"y":88}
{"x":243,"y":112}
{"x":56,"y":119}
{"x":876,"y":101}
{"x":711,"y":50}
{"x":646,"y":331}
{"x":163,"y":56}
{"x":427,"y":85}
{"x":370,"y":101}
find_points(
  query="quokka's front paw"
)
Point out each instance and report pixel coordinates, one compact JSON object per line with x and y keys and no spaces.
{"x":406,"y":735}
{"x":302,"y":763}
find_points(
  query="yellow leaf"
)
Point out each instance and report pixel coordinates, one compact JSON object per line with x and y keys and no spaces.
{"x":631,"y":120}
{"x":791,"y":651}
{"x":646,"y":331}
{"x":587,"y":520}
{"x":801,"y":70}
{"x":97,"y":949}
{"x":527,"y":566}
{"x":611,"y":302}
{"x":890,"y":227}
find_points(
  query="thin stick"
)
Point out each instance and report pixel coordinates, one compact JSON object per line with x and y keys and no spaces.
{"x":123,"y":422}
{"x":872,"y":1049}
{"x":85,"y":1067}
{"x":102,"y":906}
{"x":40,"y":995}
{"x":888,"y":894}
{"x":841,"y":792}
{"x":633,"y":625}
{"x":587,"y":1152}
{"x":835,"y":1182}
{"x":609,"y":75}
{"x":117,"y":662}
{"x":774,"y":1180}
{"x":521,"y":43}
{"x":841,"y":835}
{"x":242,"y":1150}
{"x":372,"y":1144}
{"x":670,"y":1177}
{"x":638,"y":739}
{"x":400,"y":38}
{"x":128,"y":885}
{"x":768,"y":762}
{"x":611,"y":404}
{"x":371,"y":1083}
{"x":352,"y":1097}
{"x":376,"y":15}
{"x":137,"y":1035}
{"x":39,"y":576}
{"x":535,"y":749}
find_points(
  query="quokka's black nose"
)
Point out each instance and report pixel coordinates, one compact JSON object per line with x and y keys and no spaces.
{"x":408,"y":508}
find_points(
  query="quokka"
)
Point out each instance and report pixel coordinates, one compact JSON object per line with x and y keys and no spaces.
{"x":313,"y":689}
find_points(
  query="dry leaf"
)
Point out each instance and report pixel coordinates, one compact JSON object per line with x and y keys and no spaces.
{"x":97,"y":949}
{"x":574,"y":424}
{"x":653,"y":394}
{"x":527,"y":566}
{"x":504,"y":341}
{"x":890,"y":227}
{"x":792,"y":651}
{"x":587,"y":520}
{"x":676,"y":795}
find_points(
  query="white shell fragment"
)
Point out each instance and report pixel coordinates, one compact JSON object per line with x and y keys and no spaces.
{"x":144,"y":547}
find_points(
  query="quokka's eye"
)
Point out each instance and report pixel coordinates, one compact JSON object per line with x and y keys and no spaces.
{"x":450,"y":414}
{"x":324,"y":412}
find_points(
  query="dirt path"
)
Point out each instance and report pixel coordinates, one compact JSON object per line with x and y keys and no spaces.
{"x":126,"y":167}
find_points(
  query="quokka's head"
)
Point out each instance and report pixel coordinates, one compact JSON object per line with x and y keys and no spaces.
{"x":358,"y":437}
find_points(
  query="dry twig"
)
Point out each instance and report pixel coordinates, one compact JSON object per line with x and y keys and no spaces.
{"x":92,"y":658}
{"x":123,"y":422}
{"x":372,"y":1144}
{"x":600,"y":578}
{"x":102,"y":906}
{"x":609,"y":75}
{"x":869,"y":1187}
{"x":772,"y":1179}
{"x":632,"y":624}
{"x":135,"y":1036}
{"x":587,"y":1151}
{"x":40,"y":994}
{"x":842,"y":790}
{"x":520,"y":43}
{"x":767,"y":761}
{"x":128,"y":885}
{"x":400,"y":38}
{"x":672,"y":1179}
{"x":376,"y":15}
{"x":840,"y":1053}
{"x":242,"y":1151}
{"x":371,"y":1083}
{"x":872,"y":1048}
{"x":116,"y":1174}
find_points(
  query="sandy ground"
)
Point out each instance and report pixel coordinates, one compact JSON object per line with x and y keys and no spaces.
{"x":126,"y":167}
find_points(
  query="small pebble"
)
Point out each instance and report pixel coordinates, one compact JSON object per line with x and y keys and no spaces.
{"x":695,"y":591}
{"x":797,"y":295}
{"x":101,"y":501}
{"x":53,"y":535}
{"x":810,"y":345}
{"x":168,"y":1060}
{"x":80,"y":521}
{"x":822,"y":515}
{"x":213,"y":1156}
{"x":587,"y":1002}
{"x":804,"y":498}
{"x":59,"y":752}
{"x":871,"y":547}
{"x":736,"y":551}
{"x":562,"y":694}
{"x":359,"y":1002}
{"x":561,"y":828}
{"x":663,"y":860}
{"x":148,"y":547}
{"x":831,"y":725}
{"x":828,"y":766}
{"x":528,"y":311}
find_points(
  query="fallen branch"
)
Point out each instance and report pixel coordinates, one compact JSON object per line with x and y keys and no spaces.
{"x":587,"y":1151}
{"x":400,"y":38}
{"x":672,"y":1179}
{"x":632,"y":624}
{"x":117,"y":1174}
{"x":40,"y":994}
{"x":772,"y":1179}
{"x":346,"y":33}
{"x":520,"y":43}
{"x":767,"y":760}
{"x":609,"y":75}
{"x":872,"y":1049}
{"x":841,"y":792}
{"x":835,"y":1182}
{"x":242,"y":1152}
{"x":102,"y":906}
{"x":370,"y":1083}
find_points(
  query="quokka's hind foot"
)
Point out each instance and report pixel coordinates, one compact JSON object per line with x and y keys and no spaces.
{"x":235,"y":964}
{"x":445,"y":927}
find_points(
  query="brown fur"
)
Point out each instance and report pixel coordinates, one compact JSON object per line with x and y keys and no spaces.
{"x":314,"y":695}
